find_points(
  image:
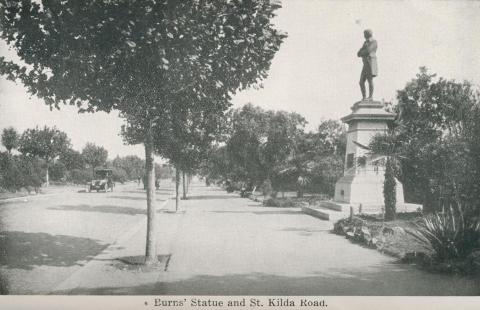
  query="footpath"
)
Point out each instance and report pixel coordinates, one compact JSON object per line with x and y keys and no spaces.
{"x":118,"y":269}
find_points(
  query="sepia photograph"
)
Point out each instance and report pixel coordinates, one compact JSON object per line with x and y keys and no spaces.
{"x":282,"y":153}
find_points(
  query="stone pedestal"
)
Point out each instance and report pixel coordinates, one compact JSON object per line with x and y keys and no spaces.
{"x":366,"y":189}
{"x":364,"y":172}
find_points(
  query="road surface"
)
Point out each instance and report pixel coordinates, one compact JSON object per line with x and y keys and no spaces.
{"x":220,"y":245}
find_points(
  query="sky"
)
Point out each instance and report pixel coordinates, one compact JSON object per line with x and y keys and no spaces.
{"x":316,"y":71}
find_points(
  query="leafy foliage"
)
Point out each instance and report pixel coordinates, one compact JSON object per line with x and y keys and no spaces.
{"x":133,"y":166}
{"x":437,"y":135}
{"x":10,"y":139}
{"x":272,"y":147}
{"x":80,"y":176}
{"x":47,"y":143}
{"x":72,"y":159}
{"x":260,"y":142}
{"x":20,"y":171}
{"x":9,"y":172}
{"x":451,"y":234}
{"x":119,"y":175}
{"x":58,"y":171}
{"x":31,"y":172}
{"x":94,"y":155}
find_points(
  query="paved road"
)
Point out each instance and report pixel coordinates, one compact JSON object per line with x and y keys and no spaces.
{"x":220,"y":245}
{"x":45,"y":239}
{"x":228,"y":246}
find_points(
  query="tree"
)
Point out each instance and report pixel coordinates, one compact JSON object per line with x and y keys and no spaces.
{"x":316,"y":161}
{"x":72,"y":159}
{"x":332,"y":137}
{"x":436,"y":135}
{"x":133,"y":166}
{"x":389,"y":191}
{"x":249,"y":131}
{"x":386,"y":144}
{"x":31,"y":172}
{"x":10,"y":174}
{"x":139,"y":59}
{"x":94,"y":156}
{"x":186,"y":138}
{"x":47,"y":144}
{"x":10,"y":139}
{"x":283,"y":131}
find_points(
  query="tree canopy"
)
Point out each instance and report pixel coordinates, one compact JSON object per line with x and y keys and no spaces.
{"x":47,"y":143}
{"x":437,"y":136}
{"x":10,"y":139}
{"x":94,"y":155}
{"x":272,"y":147}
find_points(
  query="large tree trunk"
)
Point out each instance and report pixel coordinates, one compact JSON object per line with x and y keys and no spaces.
{"x":184,"y":185}
{"x":177,"y":186}
{"x":151,"y":248}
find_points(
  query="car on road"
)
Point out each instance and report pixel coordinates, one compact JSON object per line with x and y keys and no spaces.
{"x":102,"y":181}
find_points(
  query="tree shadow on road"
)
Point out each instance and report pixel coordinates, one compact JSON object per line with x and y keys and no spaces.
{"x":305,"y":231}
{"x":144,"y":198}
{"x":101,"y":208}
{"x":25,"y":250}
{"x":137,"y":263}
{"x":262,"y":212}
{"x":142,"y":191}
{"x":385,"y":280}
{"x":209,"y":197}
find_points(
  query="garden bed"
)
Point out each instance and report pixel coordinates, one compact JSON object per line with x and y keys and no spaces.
{"x":289,"y":202}
{"x":388,"y":237}
{"x":396,"y":238}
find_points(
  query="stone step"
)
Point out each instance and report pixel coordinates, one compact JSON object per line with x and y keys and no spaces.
{"x":323,"y":213}
{"x":332,"y":205}
{"x":344,"y":207}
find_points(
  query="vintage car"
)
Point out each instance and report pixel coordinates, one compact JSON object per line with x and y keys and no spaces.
{"x":102,"y":181}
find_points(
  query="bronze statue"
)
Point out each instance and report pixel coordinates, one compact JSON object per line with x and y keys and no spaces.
{"x":369,"y":58}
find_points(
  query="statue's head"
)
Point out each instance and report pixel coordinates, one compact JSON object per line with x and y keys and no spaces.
{"x":367,"y":33}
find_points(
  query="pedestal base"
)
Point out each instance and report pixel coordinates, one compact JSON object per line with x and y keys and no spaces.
{"x":365,"y":189}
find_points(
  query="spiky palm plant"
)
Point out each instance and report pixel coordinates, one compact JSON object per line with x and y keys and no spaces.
{"x":450,"y":234}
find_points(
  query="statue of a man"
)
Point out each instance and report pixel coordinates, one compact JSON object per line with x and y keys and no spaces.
{"x":369,"y":58}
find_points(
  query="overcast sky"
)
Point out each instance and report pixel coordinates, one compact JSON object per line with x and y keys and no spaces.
{"x":316,"y":71}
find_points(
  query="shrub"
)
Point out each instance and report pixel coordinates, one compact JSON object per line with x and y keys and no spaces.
{"x":451,"y":235}
{"x":57,"y":171}
{"x":267,"y":187}
{"x":10,"y":178}
{"x":31,"y":172}
{"x":80,"y":176}
{"x":119,"y":175}
{"x":280,"y":203}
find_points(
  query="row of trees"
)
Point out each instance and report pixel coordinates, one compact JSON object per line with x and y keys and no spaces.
{"x":272,"y":149}
{"x":39,"y":155}
{"x":169,"y":67}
